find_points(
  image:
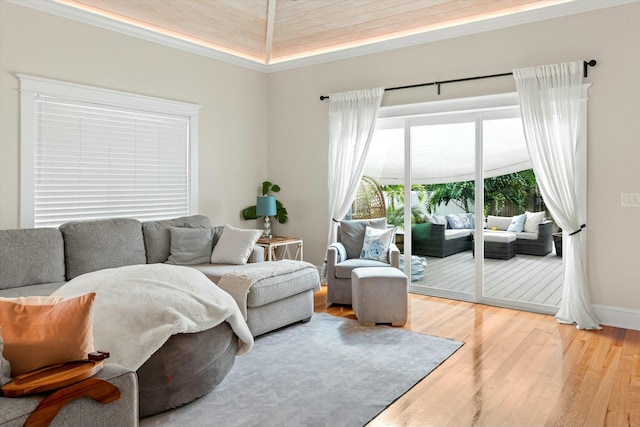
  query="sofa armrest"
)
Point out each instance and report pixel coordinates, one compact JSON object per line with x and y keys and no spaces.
{"x":394,"y":256}
{"x":336,"y":253}
{"x":257,"y":255}
{"x":14,"y":411}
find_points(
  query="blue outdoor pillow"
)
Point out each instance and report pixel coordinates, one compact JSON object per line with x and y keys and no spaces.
{"x":517,"y":223}
{"x":458,"y":221}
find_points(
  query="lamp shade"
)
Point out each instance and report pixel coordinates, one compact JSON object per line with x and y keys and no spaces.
{"x":266,"y":206}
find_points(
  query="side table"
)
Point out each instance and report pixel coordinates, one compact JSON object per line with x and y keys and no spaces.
{"x":270,"y":244}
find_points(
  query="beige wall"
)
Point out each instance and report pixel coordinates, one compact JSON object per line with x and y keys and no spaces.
{"x":298,"y":124}
{"x":233,"y":119}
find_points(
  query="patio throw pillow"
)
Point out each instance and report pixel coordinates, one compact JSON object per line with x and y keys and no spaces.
{"x":531,"y":225}
{"x":5,"y":366}
{"x":190,"y":246}
{"x":459,"y":221}
{"x":517,"y":223}
{"x":235,"y":245}
{"x":376,"y":244}
{"x":38,"y":332}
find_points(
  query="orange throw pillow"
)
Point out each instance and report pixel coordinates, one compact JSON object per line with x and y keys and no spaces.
{"x":46,"y":332}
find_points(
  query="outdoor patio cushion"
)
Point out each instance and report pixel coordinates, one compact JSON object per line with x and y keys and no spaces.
{"x":499,"y":222}
{"x":533,"y":221}
{"x":456,"y":234}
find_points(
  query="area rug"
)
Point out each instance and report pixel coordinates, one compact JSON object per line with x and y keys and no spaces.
{"x":328,"y":372}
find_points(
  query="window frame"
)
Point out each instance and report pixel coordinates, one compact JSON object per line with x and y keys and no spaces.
{"x":32,"y":87}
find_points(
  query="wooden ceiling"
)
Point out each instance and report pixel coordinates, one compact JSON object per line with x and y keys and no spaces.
{"x":273,"y":31}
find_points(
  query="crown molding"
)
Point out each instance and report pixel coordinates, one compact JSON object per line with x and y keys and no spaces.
{"x":549,"y":12}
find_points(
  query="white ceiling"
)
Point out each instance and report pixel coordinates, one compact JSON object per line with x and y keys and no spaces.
{"x":270,"y":35}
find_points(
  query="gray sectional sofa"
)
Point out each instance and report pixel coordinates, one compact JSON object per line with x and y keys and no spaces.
{"x":39,"y":261}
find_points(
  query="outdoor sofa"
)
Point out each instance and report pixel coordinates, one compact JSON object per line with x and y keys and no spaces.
{"x":441,"y":240}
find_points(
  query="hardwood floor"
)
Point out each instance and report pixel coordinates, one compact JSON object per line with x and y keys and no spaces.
{"x":516,"y":369}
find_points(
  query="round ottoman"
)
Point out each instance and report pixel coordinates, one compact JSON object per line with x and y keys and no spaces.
{"x":380,"y":295}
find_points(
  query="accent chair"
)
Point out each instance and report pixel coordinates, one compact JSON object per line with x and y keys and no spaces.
{"x":344,"y":255}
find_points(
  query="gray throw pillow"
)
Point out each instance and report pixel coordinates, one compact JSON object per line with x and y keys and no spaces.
{"x":352,"y":234}
{"x":190,"y":245}
{"x":5,"y":367}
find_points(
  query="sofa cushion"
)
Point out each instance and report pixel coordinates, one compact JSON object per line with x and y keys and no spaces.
{"x":157,"y":238}
{"x":460,"y":233}
{"x":269,"y":289}
{"x":96,"y":245}
{"x":458,"y":221}
{"x":517,"y":223}
{"x":190,"y":245}
{"x":31,"y":257}
{"x":376,"y":244}
{"x":533,"y":221}
{"x":41,"y":331}
{"x":352,"y":234}
{"x":498,"y":222}
{"x":344,"y":269}
{"x":235,"y":245}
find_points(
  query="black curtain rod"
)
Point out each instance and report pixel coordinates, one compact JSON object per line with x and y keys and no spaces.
{"x":586,"y":64}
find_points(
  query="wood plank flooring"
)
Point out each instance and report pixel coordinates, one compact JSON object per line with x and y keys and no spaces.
{"x":516,"y":369}
{"x":525,"y":278}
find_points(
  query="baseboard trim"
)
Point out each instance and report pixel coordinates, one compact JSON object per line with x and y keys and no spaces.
{"x":617,"y":316}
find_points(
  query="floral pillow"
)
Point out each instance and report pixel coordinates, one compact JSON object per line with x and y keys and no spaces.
{"x":376,"y":243}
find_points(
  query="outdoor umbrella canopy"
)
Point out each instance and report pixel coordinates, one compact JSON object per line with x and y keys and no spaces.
{"x":446,"y":152}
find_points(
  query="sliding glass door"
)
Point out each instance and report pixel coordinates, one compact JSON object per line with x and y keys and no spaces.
{"x":455,"y":234}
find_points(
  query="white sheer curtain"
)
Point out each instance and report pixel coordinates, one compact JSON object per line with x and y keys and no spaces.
{"x":550,"y":98}
{"x":352,"y":120}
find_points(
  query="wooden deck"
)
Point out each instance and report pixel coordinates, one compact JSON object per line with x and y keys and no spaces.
{"x":524,"y":278}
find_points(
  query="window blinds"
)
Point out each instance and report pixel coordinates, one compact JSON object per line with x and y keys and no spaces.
{"x":97,"y":161}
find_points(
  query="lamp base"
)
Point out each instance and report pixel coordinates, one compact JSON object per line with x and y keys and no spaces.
{"x":267,"y":227}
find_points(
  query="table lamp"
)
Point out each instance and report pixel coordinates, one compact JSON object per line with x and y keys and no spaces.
{"x":266,"y":207}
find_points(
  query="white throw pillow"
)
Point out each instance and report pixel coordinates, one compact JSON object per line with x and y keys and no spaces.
{"x":533,"y":221}
{"x":235,"y":245}
{"x":376,"y":243}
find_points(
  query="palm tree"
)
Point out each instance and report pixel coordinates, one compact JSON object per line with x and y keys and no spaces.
{"x":395,"y":198}
{"x":462,"y":194}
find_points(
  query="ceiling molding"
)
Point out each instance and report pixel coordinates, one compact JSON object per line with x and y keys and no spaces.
{"x":540,"y":14}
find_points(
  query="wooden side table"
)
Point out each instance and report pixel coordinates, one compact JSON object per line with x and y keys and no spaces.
{"x":270,"y":244}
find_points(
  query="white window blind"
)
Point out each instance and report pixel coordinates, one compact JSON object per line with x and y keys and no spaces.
{"x":94,"y":159}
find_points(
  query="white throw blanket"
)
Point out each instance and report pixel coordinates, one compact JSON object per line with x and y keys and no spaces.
{"x":138,"y":307}
{"x":238,"y":283}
